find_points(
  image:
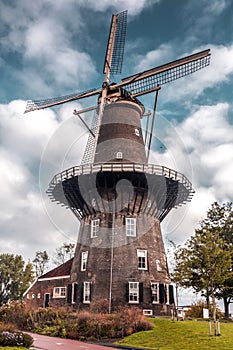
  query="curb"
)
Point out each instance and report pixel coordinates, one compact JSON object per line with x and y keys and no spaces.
{"x":116,"y":346}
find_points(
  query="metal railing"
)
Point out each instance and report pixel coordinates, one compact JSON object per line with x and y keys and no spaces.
{"x":121,"y":167}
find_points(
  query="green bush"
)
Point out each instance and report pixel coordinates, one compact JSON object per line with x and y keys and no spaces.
{"x":196,"y":310}
{"x":15,"y":339}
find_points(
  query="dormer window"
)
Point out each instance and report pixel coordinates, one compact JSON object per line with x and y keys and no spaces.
{"x":119,"y":155}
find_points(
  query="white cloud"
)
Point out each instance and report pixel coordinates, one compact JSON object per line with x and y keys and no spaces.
{"x":218,"y":72}
{"x":120,"y":5}
{"x":154,"y":58}
{"x":25,"y":225}
{"x":208,"y":137}
{"x":21,"y":131}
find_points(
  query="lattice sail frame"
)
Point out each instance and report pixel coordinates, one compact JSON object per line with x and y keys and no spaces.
{"x":149,"y":80}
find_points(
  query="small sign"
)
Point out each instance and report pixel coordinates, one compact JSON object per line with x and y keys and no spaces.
{"x":205,"y":313}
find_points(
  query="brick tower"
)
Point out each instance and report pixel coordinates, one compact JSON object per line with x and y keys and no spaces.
{"x":119,"y":198}
{"x":120,"y":201}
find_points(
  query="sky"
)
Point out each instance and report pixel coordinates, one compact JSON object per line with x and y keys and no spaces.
{"x":52,"y":48}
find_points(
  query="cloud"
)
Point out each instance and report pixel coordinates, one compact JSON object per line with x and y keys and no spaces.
{"x":120,"y":5}
{"x":25,"y":224}
{"x":207,"y":139}
{"x":154,"y":58}
{"x":218,"y":72}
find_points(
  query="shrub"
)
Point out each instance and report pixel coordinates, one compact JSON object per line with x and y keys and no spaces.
{"x":80,"y":325}
{"x":196,"y":310}
{"x":100,"y":306}
{"x":15,"y":339}
{"x":14,"y":312}
{"x":10,"y":327}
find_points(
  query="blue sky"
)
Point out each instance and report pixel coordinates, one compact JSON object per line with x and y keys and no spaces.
{"x":51,"y":48}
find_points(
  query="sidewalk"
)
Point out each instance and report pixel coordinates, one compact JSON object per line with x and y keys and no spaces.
{"x":44,"y":342}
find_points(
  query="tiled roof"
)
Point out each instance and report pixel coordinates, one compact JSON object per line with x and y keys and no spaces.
{"x":62,"y":270}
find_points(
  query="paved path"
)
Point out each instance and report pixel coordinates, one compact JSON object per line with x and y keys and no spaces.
{"x":51,"y":343}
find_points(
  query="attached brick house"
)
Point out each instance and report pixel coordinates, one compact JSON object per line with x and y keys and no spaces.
{"x":53,"y":289}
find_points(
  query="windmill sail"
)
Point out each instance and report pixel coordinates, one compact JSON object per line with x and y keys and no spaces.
{"x":54,"y":101}
{"x":116,"y":43}
{"x":147,"y":81}
{"x":89,"y":150}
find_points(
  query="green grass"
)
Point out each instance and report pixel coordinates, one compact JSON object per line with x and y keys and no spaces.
{"x":11,"y":348}
{"x":181,"y":335}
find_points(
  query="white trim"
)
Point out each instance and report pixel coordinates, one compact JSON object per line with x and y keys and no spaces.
{"x":155,"y":290}
{"x":134,"y":291}
{"x":58,"y":295}
{"x":47,"y":293}
{"x":32,"y":284}
{"x":166,"y":290}
{"x":142,"y":253}
{"x":95,"y":224}
{"x":84,"y":257}
{"x":147,"y":312}
{"x":130,"y":227}
{"x":119,"y":155}
{"x":52,"y":278}
{"x":87,"y":292}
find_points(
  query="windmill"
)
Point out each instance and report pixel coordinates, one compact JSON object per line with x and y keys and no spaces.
{"x":119,"y":198}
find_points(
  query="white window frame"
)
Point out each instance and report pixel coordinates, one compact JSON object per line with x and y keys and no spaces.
{"x":166,"y":290}
{"x":84,"y":258}
{"x":133,"y":292}
{"x":142,"y":259}
{"x":147,"y":312}
{"x":119,"y":155}
{"x":72,"y":292}
{"x":59,"y":292}
{"x":95,"y":224}
{"x":131,"y":227}
{"x":86,"y":292}
{"x":155,"y":292}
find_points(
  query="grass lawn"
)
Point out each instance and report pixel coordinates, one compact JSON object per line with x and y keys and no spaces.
{"x":181,"y":335}
{"x":11,"y":348}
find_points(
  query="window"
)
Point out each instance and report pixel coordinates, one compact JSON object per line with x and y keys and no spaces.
{"x":142,"y":259}
{"x":130,"y":225}
{"x":71,"y":293}
{"x":155,"y":292}
{"x":86,"y":292}
{"x":166,"y":293}
{"x":137,"y":132}
{"x":119,"y":155}
{"x":84,"y":261}
{"x":59,"y":292}
{"x":147,"y":312}
{"x":133,"y":292}
{"x":95,"y":224}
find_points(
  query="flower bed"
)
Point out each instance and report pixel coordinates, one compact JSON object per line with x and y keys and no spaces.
{"x":9,"y":338}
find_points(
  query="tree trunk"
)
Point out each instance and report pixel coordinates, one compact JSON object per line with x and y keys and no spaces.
{"x":226,"y":307}
{"x":214,"y":311}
